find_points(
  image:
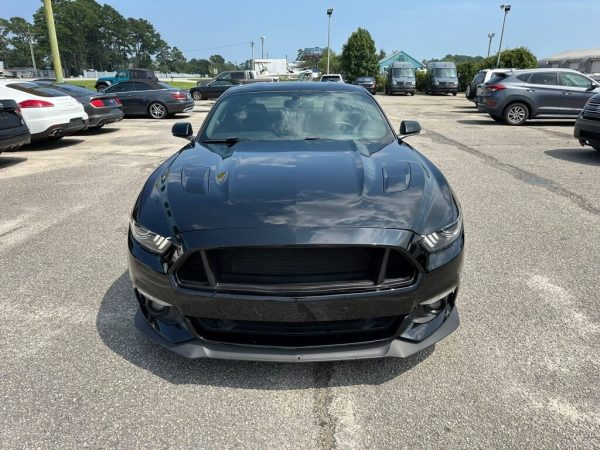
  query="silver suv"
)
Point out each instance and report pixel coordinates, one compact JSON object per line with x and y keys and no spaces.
{"x":537,"y":93}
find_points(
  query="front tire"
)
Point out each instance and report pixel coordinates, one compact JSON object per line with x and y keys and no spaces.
{"x":157,"y":110}
{"x":101,"y":88}
{"x":516,"y":114}
{"x":197,"y":95}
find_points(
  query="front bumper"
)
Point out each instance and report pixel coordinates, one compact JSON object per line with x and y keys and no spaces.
{"x":403,"y":89}
{"x":444,"y":89}
{"x":154,"y":282}
{"x":587,"y":131}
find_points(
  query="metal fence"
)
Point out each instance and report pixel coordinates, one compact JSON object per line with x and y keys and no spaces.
{"x":95,"y":74}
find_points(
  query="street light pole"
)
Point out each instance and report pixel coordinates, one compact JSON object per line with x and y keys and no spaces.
{"x":490,"y":37}
{"x":506,"y":9}
{"x":262,"y":47}
{"x":252,"y":45}
{"x":329,"y":13}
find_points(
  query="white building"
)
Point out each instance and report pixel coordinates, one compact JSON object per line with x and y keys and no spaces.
{"x":586,"y":61}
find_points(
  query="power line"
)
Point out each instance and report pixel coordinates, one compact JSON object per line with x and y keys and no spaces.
{"x":217,"y":48}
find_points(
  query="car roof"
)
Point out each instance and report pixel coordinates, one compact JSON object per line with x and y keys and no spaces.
{"x":300,"y":86}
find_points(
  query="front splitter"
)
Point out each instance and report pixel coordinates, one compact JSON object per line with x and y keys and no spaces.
{"x":396,"y":348}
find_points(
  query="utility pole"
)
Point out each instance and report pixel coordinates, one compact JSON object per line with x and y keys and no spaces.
{"x":252,"y":46}
{"x":329,"y":13}
{"x":53,"y":41}
{"x":490,"y":37}
{"x":506,"y":9}
{"x":32,"y":55}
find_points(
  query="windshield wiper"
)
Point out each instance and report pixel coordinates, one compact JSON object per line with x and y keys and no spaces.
{"x":312,"y":138}
{"x":230,"y":141}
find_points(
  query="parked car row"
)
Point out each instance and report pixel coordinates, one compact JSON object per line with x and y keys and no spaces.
{"x":50,"y":110}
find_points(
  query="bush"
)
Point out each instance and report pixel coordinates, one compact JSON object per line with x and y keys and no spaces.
{"x":421,"y":77}
{"x":380,"y":82}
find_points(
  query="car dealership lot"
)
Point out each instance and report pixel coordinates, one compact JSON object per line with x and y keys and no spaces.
{"x":522,"y":369}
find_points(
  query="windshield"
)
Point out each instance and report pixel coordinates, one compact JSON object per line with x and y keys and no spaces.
{"x":398,"y":72}
{"x":446,"y":72}
{"x":330,"y":78}
{"x":297,"y":115}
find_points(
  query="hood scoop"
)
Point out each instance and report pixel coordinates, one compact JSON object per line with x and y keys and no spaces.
{"x":195,"y":179}
{"x":396,"y":176}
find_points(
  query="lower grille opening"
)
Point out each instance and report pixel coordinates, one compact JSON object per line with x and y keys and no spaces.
{"x":293,"y":334}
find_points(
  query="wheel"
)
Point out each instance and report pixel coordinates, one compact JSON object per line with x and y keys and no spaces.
{"x":454,"y":94}
{"x":516,"y":114}
{"x":412,"y":93}
{"x":197,"y":95}
{"x":101,"y":88}
{"x":157,"y":110}
{"x":387,"y":91}
{"x":374,"y":92}
{"x":468,"y":91}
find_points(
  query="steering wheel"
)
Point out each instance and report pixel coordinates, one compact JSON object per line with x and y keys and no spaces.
{"x":345,"y":125}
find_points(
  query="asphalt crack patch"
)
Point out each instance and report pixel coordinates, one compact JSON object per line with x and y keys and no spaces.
{"x":323,"y":397}
{"x":518,"y":173}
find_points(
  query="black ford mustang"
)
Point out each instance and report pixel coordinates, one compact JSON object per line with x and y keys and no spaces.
{"x":296,"y":226}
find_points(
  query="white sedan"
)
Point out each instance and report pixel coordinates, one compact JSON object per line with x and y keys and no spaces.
{"x":49,"y":114}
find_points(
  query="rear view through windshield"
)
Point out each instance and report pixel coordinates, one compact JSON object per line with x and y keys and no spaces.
{"x":402,"y":73}
{"x":445,"y":72}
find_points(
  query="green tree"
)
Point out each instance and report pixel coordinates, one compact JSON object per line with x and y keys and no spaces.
{"x":359,"y":55}
{"x":335,"y":63}
{"x":15,"y":35}
{"x":381,"y":54}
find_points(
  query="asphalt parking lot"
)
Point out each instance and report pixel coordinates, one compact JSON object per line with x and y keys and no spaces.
{"x":522,"y":370}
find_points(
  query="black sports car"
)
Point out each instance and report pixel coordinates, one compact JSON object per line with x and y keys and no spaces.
{"x":153,"y":98}
{"x":100,"y":107}
{"x":296,"y":226}
{"x":214,"y":89}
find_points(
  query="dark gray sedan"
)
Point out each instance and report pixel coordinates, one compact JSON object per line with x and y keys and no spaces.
{"x":155,"y":99}
{"x":101,"y":108}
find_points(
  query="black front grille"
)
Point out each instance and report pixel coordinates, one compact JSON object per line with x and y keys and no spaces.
{"x":281,"y":270}
{"x":293,"y":265}
{"x":292,"y":334}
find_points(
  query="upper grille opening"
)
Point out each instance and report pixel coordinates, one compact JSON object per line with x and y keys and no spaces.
{"x":291,"y":265}
{"x":295,"y":269}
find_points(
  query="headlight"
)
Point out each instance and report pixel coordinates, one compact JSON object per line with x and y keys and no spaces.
{"x":394,"y":83}
{"x":148,"y":239}
{"x":412,"y":83}
{"x":456,"y":83}
{"x":439,"y":240}
{"x":436,"y":83}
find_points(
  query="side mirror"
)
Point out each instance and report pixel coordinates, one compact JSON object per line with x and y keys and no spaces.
{"x":409,"y":128}
{"x":183,"y":130}
{"x":592,"y":87}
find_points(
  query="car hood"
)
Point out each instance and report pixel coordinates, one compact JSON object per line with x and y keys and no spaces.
{"x":313,"y":184}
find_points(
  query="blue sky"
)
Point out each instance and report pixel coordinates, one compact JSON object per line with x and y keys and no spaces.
{"x":422,"y":28}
